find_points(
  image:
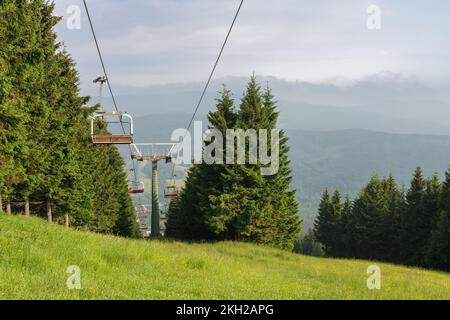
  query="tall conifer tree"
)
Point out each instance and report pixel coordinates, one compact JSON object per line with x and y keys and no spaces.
{"x":438,"y":249}
{"x":235,"y":201}
{"x":413,"y":239}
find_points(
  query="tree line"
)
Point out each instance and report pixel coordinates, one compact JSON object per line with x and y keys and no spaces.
{"x":46,"y":156}
{"x":387,"y":223}
{"x":235,"y":201}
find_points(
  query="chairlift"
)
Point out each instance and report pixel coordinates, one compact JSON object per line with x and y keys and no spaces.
{"x":109,"y":138}
{"x":171,"y":192}
{"x":136,"y":187}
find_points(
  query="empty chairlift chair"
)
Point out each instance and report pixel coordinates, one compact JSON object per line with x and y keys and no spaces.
{"x":105,"y":137}
{"x":136,"y":187}
{"x":171,"y":193}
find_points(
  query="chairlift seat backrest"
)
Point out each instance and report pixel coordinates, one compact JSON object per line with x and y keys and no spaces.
{"x":171,"y":192}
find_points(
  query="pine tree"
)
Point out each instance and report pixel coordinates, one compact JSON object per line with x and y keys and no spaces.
{"x":322,"y":225}
{"x":438,"y":249}
{"x":328,"y":224}
{"x":414,"y":236}
{"x":306,"y":245}
{"x":343,"y":232}
{"x":367,"y":221}
{"x":16,"y":59}
{"x":337,"y":236}
{"x":235,"y":201}
{"x":282,"y":223}
{"x":219,"y":178}
{"x":192,"y":217}
{"x":391,"y":220}
{"x":431,"y":201}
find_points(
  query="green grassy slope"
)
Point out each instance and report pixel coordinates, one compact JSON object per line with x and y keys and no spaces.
{"x":34,"y":257}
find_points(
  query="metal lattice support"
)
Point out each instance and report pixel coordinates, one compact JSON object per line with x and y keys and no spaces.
{"x":155,"y":226}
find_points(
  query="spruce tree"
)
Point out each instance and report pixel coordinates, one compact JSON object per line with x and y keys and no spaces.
{"x":391,"y":220}
{"x":438,"y":249}
{"x":323,"y":228}
{"x":328,"y":224}
{"x":343,"y":232}
{"x":337,"y":236}
{"x":306,"y":245}
{"x":431,"y":202}
{"x":192,"y":218}
{"x":414,"y":236}
{"x":17,"y":56}
{"x":368,"y":220}
{"x":279,"y":217}
{"x":235,"y":201}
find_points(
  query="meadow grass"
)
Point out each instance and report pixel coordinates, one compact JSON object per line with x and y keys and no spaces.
{"x":34,"y":258}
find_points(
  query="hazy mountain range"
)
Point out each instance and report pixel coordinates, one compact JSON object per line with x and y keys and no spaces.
{"x":384,"y":102}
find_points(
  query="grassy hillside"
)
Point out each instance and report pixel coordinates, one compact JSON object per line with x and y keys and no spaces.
{"x":34,"y":258}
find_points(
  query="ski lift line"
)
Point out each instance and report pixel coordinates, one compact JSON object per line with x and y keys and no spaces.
{"x":208,"y":82}
{"x":311,"y":168}
{"x":100,"y":56}
{"x":212,"y":73}
{"x":215,"y":64}
{"x":105,"y":72}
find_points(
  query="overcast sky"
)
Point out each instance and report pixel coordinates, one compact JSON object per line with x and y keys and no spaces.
{"x":147,"y":42}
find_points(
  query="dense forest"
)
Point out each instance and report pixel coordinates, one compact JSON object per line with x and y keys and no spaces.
{"x":47,"y":160}
{"x":386,"y":223}
{"x":236,"y":202}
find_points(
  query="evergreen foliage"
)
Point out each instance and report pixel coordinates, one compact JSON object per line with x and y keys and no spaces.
{"x":45,"y":148}
{"x":438,"y":249}
{"x":308,"y":245}
{"x":385,"y":223}
{"x":235,"y":201}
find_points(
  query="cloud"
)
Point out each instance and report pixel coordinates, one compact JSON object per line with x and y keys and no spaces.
{"x":152,"y":41}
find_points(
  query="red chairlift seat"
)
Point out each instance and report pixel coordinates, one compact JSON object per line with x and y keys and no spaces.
{"x":171,"y":192}
{"x":136,"y":187}
{"x":131,"y":191}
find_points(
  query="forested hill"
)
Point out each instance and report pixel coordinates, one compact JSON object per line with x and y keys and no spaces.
{"x":46,"y":156}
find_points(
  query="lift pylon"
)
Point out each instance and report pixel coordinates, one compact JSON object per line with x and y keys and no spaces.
{"x":154,"y":152}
